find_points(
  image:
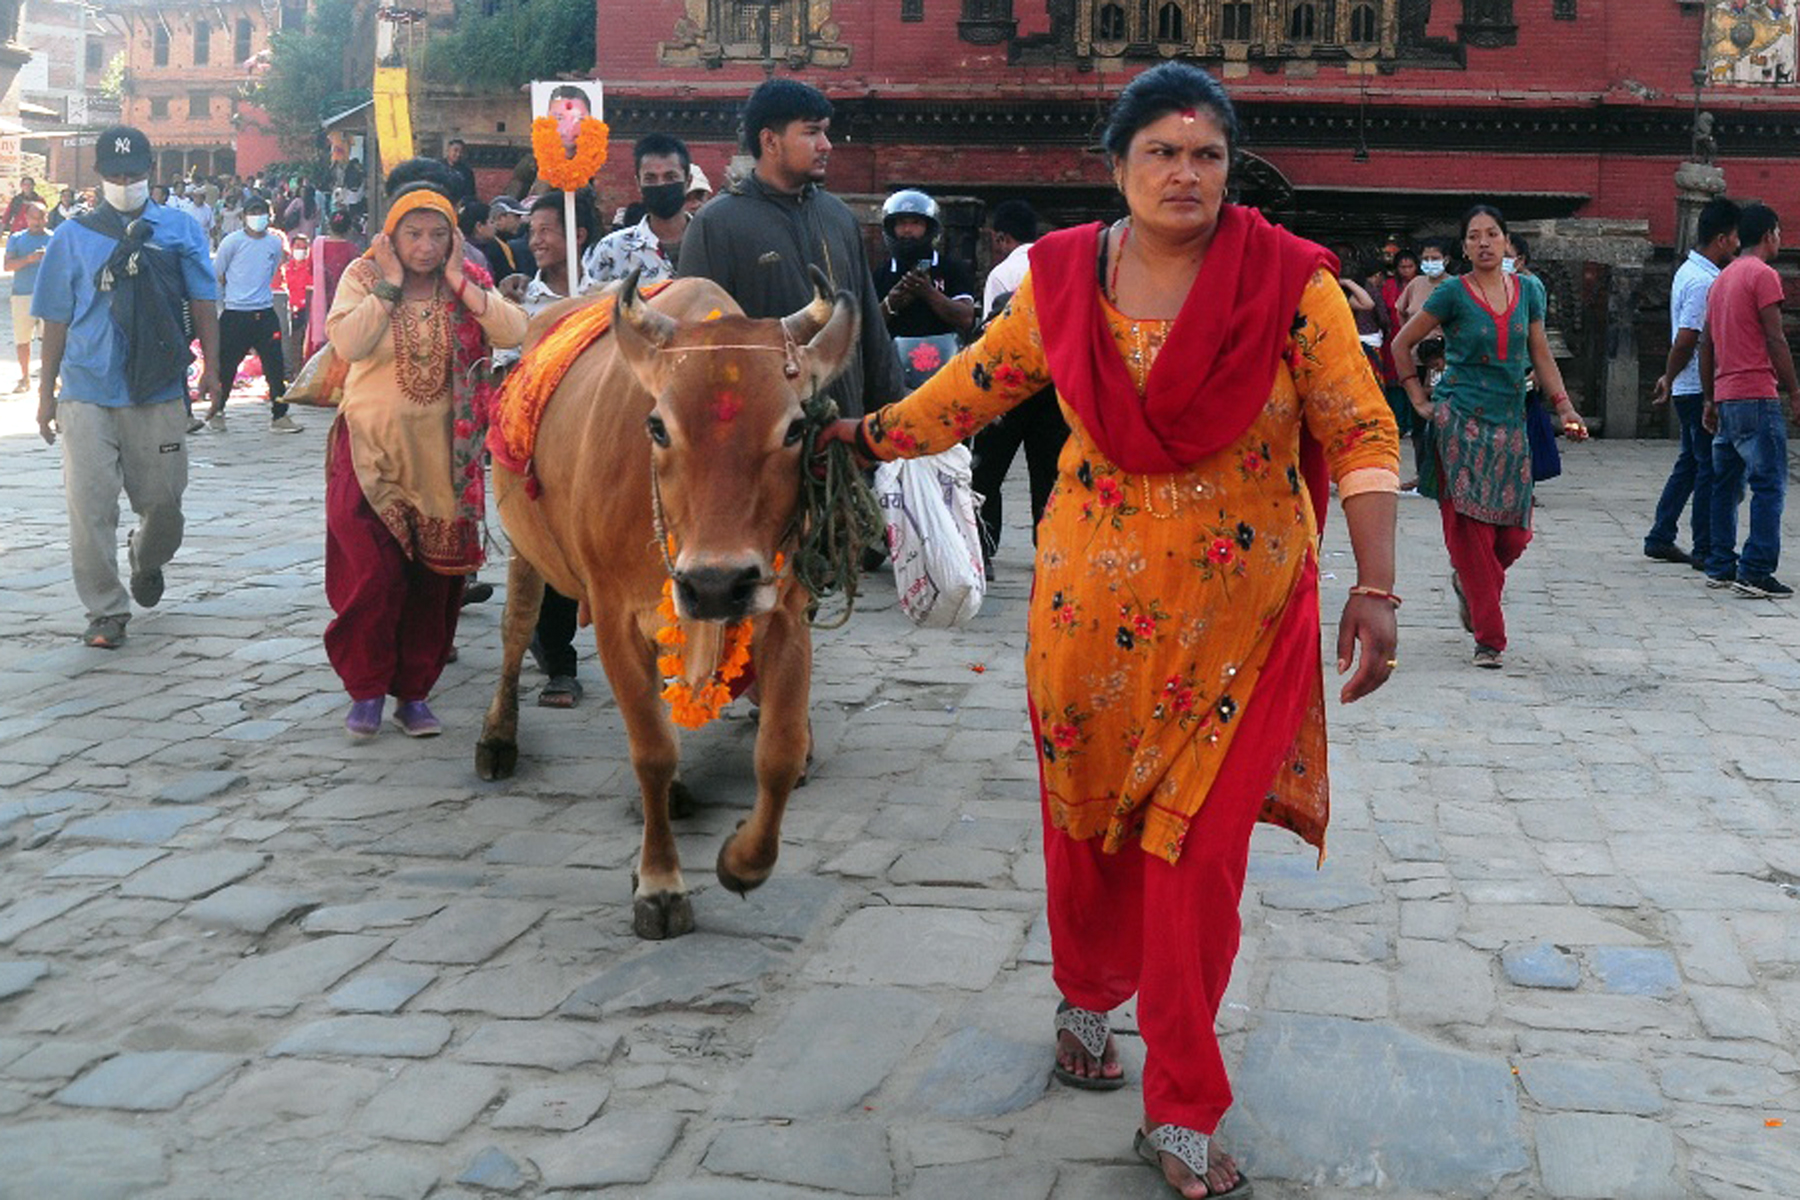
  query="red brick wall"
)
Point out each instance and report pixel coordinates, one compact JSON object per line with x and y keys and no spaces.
{"x":1623,"y":55}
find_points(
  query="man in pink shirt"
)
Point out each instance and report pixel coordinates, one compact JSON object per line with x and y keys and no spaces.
{"x":1744,"y":357}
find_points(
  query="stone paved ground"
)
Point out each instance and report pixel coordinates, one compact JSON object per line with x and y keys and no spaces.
{"x":1555,"y":951}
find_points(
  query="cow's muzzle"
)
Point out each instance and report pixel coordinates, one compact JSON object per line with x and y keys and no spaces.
{"x":719,"y":593}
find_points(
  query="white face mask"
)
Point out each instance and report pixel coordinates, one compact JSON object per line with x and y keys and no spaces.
{"x":1432,"y":266}
{"x":300,"y":253}
{"x":257,"y":222}
{"x":1509,"y":266}
{"x":127,"y":197}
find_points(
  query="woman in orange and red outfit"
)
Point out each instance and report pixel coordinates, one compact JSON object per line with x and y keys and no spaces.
{"x":1211,"y":375}
{"x":403,"y":497}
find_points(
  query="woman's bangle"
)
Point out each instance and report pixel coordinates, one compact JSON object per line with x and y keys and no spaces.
{"x":1404,"y":379}
{"x":386,"y":291}
{"x":1377,"y":593}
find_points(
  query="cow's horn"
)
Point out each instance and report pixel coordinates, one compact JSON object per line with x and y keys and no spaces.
{"x":804,"y":325}
{"x":654,"y":327}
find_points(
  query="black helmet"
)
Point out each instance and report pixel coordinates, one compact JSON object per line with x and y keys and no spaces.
{"x":906,"y":252}
{"x":910,"y":203}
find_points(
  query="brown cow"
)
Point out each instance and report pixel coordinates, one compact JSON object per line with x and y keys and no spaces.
{"x":719,"y":396}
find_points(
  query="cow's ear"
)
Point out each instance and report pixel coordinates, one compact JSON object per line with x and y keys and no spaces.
{"x":642,"y":332}
{"x":829,"y":350}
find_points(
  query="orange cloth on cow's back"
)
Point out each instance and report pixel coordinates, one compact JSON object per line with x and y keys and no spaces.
{"x":1158,"y":598}
{"x":513,"y":426}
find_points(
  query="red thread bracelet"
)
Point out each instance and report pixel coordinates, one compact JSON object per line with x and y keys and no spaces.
{"x":1377,"y":593}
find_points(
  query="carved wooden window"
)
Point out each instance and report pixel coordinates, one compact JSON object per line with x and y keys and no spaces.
{"x":159,"y":107}
{"x":1234,"y":22}
{"x":744,"y":21}
{"x":1303,"y":23}
{"x":202,"y":43}
{"x":1109,"y":23}
{"x":241,"y":44}
{"x":1171,"y":23}
{"x":1365,"y":25}
{"x":159,"y":46}
{"x":1488,"y":24}
{"x":199,"y":106}
{"x":1562,"y":10}
{"x":912,"y":10}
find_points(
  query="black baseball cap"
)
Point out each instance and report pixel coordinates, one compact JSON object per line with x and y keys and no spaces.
{"x":122,"y":150}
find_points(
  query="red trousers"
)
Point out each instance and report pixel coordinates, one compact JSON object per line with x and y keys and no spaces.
{"x":1133,"y":922}
{"x":1480,"y":553}
{"x":396,"y":619}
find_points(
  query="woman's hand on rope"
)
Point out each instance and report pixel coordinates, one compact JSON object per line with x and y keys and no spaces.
{"x":841,"y":430}
{"x":1367,"y":631}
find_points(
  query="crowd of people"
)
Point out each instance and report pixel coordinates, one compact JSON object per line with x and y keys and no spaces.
{"x":1179,"y":476}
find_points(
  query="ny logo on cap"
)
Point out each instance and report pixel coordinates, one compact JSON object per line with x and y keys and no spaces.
{"x":121,"y":145}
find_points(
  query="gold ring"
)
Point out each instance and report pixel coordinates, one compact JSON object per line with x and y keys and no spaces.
{"x":1392,"y":663}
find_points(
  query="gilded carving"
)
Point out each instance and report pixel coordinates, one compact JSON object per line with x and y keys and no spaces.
{"x":1750,"y":42}
{"x":799,"y":33}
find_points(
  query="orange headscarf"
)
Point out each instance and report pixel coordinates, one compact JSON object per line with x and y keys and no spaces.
{"x":411,"y":202}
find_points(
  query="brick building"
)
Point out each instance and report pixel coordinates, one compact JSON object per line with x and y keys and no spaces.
{"x":1362,"y":117}
{"x":185,"y":68}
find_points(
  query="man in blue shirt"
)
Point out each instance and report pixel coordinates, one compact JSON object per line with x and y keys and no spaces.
{"x":246,"y":264}
{"x":24,"y":251}
{"x":113,"y":438}
{"x":1715,"y":242}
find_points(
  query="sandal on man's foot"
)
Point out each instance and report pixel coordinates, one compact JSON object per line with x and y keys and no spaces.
{"x":1191,"y":1148}
{"x":1090,"y":1029}
{"x":563,"y":691}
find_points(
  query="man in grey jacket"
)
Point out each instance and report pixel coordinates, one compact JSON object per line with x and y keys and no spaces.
{"x":757,"y":239}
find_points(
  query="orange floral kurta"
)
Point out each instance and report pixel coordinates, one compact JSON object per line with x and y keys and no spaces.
{"x":1157,"y":597}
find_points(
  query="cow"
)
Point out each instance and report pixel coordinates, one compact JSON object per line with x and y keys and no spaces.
{"x":672,"y":449}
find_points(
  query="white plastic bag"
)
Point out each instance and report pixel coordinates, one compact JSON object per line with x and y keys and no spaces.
{"x":933,"y":538}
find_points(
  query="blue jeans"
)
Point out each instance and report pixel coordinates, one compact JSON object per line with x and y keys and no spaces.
{"x":1750,"y":447}
{"x":1691,"y":475}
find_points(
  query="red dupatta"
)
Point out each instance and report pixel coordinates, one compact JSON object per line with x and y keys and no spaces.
{"x":1213,"y":374}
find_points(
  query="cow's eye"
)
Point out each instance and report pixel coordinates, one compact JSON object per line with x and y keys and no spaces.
{"x":796,"y":433}
{"x":659,"y":433}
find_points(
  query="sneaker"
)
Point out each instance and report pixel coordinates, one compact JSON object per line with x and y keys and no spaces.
{"x":415,"y":719}
{"x":1719,"y":582}
{"x":1763,"y":587}
{"x":195,"y":424}
{"x":1488,"y":657}
{"x":1698,"y":562}
{"x":105,"y":633}
{"x":146,"y":586}
{"x":364,"y":719}
{"x":1669,"y":554}
{"x":285,"y":424}
{"x":216,"y":422}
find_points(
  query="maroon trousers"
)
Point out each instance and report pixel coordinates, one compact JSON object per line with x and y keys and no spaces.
{"x":1133,"y":922}
{"x":396,"y":619}
{"x":1480,"y":553}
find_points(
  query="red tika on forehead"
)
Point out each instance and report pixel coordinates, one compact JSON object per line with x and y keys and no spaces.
{"x":726,"y":407}
{"x":1190,"y":115}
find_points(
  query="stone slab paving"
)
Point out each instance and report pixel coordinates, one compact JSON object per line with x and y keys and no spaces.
{"x":1554,"y":951}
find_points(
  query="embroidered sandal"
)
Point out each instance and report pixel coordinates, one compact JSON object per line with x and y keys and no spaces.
{"x":1091,"y":1030}
{"x":1190,"y":1146}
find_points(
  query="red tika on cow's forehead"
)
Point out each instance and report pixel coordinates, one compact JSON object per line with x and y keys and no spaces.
{"x":726,"y":406}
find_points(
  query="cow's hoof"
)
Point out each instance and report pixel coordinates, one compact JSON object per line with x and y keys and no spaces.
{"x":661,"y":915}
{"x":495,"y":759}
{"x":682,"y":803}
{"x":742,"y":884}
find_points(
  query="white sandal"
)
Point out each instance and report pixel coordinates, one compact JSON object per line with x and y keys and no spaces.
{"x":1190,"y":1146}
{"x":1091,"y":1030}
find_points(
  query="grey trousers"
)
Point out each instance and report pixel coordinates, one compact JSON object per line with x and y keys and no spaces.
{"x":141,"y":448}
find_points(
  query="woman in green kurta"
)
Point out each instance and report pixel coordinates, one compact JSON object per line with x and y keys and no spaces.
{"x":1477,"y":461}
